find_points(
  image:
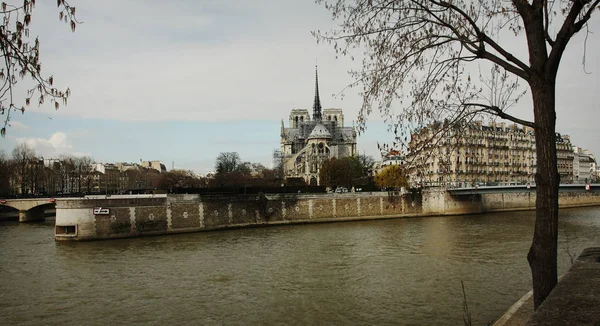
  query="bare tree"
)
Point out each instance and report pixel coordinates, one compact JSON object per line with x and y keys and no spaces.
{"x":5,"y":174}
{"x":180,"y":179}
{"x":83,"y":168}
{"x":67,"y":174}
{"x":22,"y":156}
{"x":35,"y":170}
{"x":21,"y":59}
{"x":415,"y":57}
{"x":228,"y":162}
{"x":366,"y":163}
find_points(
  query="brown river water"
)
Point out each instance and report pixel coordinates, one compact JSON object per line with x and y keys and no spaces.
{"x":387,"y":272}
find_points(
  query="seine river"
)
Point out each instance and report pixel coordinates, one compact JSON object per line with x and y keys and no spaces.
{"x":388,"y":272}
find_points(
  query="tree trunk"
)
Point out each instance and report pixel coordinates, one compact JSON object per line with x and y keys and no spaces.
{"x":542,"y":255}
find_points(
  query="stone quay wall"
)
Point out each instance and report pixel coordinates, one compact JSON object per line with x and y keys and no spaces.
{"x":81,"y":219}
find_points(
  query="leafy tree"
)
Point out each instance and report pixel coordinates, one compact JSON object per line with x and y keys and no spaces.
{"x":21,"y":59}
{"x":392,"y":176}
{"x":180,"y":179}
{"x":414,"y":71}
{"x":340,"y":172}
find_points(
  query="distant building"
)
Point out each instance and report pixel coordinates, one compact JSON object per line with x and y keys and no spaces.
{"x":391,"y":158}
{"x":156,"y":165}
{"x":124,"y":166}
{"x":98,"y":167}
{"x":52,"y":163}
{"x":307,"y":142}
{"x":564,"y":156}
{"x":584,"y":165}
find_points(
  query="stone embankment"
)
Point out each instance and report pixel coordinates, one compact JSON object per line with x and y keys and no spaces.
{"x":97,"y":218}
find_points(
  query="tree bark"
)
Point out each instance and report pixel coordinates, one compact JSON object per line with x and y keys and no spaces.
{"x":542,"y":255}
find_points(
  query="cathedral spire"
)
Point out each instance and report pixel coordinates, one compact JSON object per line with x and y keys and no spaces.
{"x":317,"y":103}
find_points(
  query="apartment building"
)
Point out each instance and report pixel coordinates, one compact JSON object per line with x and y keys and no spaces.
{"x":584,"y":165}
{"x":564,"y":156}
{"x":477,"y":154}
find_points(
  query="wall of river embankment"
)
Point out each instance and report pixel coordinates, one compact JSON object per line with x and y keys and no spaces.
{"x":131,"y":216}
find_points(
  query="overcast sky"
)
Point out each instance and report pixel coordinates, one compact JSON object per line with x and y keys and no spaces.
{"x":181,"y":81}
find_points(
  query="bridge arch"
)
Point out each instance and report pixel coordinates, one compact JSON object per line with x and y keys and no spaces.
{"x":30,"y":209}
{"x":8,"y":212}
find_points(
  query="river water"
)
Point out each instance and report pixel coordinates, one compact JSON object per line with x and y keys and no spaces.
{"x":400,"y":272}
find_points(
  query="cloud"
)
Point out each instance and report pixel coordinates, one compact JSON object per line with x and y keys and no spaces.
{"x":217,"y":62}
{"x":18,"y":125}
{"x":57,"y":144}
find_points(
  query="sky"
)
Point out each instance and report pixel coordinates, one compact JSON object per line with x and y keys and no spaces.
{"x":181,"y":81}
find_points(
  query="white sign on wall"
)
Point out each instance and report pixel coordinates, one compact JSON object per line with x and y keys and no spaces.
{"x":101,"y":211}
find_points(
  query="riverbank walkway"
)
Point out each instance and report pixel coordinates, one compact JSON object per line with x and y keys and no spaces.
{"x":574,"y":301}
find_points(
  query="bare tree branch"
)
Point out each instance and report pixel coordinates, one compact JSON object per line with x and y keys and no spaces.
{"x":22,"y":58}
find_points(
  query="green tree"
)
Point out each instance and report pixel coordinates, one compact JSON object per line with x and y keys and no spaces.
{"x":21,"y":59}
{"x":392,"y":176}
{"x":414,"y":71}
{"x":340,"y":172}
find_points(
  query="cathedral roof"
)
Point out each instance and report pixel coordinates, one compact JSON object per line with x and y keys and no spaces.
{"x":291,"y":133}
{"x":320,"y":132}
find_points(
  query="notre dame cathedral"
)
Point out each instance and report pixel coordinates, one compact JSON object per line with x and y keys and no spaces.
{"x":310,"y":141}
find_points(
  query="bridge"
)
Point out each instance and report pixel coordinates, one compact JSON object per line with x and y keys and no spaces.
{"x":30,"y":209}
{"x":521,"y":188}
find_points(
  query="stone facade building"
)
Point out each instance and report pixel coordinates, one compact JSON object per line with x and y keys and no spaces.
{"x":564,"y":156}
{"x":307,"y":142}
{"x":391,"y":158}
{"x":584,"y":166}
{"x":156,"y":165}
{"x":476,"y":154}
